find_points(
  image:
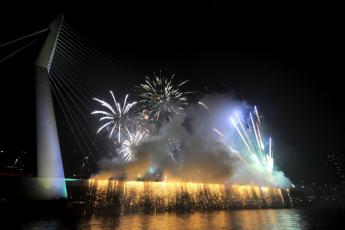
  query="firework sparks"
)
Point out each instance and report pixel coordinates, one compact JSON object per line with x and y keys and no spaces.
{"x":128,"y":148}
{"x":117,"y":116}
{"x":166,"y":195}
{"x":162,"y":98}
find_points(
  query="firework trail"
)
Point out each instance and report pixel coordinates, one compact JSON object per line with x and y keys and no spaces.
{"x":250,"y":145}
{"x":203,"y":105}
{"x":251,"y":140}
{"x":161,"y":98}
{"x":116,"y":116}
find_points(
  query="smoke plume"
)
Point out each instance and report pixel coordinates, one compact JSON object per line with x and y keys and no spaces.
{"x":189,"y":149}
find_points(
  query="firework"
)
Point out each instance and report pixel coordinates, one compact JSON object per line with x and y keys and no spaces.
{"x":174,"y":147}
{"x":128,"y":148}
{"x":137,"y":196}
{"x":116,"y":116}
{"x":218,"y":132}
{"x":251,"y":144}
{"x":203,"y":105}
{"x":161,"y":98}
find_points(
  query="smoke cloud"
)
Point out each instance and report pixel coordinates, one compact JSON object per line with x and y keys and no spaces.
{"x":189,"y":149}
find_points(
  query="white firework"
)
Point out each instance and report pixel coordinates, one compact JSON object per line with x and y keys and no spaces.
{"x":117,"y":116}
{"x":161,"y":98}
{"x":129,"y":146}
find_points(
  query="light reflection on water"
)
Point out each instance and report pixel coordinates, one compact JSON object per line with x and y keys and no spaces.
{"x":241,"y":219}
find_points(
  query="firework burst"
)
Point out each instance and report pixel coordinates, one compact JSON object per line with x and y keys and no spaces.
{"x":161,"y":98}
{"x":117,"y":116}
{"x":128,"y":148}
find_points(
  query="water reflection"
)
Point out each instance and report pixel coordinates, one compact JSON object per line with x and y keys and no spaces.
{"x":241,"y":219}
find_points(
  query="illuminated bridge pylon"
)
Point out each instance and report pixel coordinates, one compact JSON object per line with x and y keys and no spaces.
{"x":49,"y":163}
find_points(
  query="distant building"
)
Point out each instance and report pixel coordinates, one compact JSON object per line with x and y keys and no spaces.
{"x":337,"y":164}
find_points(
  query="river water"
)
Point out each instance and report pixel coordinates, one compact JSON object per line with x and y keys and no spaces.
{"x":236,"y":219}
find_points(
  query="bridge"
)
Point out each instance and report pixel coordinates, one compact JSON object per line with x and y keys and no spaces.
{"x":65,"y":68}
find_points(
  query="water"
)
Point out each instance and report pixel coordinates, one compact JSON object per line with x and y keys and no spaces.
{"x":237,"y":219}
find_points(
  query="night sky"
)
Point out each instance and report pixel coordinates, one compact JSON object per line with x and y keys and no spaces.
{"x":284,"y":60}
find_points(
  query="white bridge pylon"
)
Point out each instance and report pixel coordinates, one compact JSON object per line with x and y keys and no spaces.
{"x":50,"y":170}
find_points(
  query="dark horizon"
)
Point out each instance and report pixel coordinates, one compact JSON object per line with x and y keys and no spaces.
{"x":283,"y":62}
